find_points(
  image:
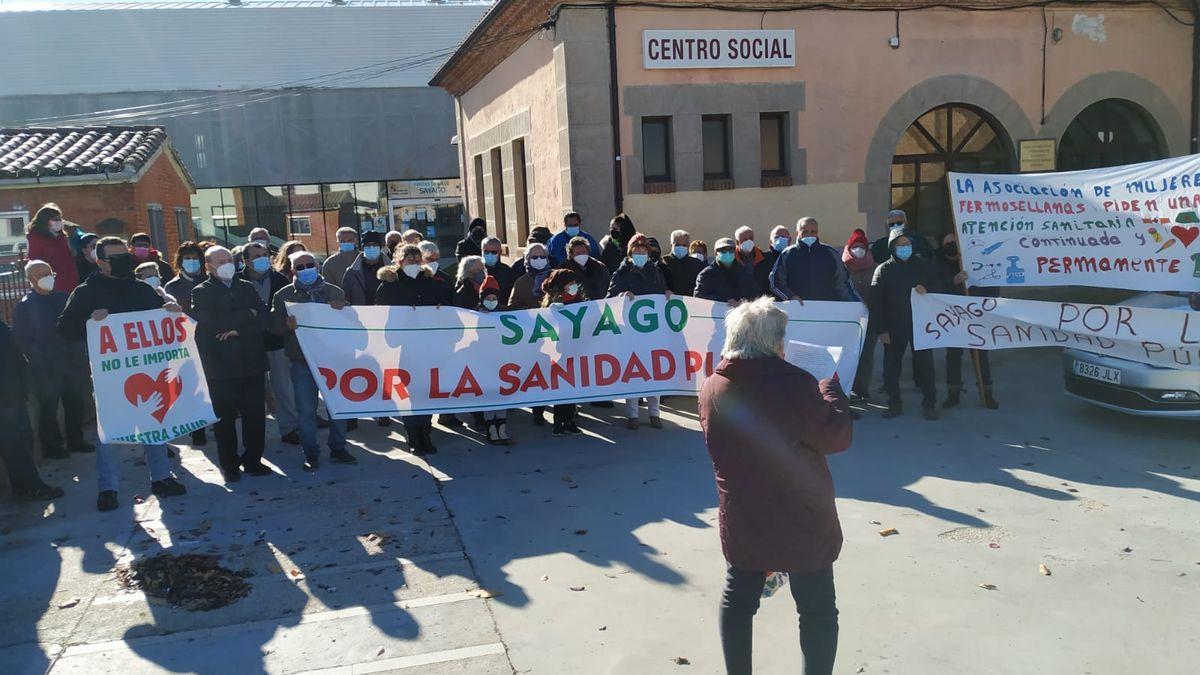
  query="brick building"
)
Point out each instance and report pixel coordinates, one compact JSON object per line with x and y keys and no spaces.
{"x":108,"y":180}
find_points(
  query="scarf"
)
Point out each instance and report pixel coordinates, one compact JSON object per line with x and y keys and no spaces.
{"x":538,"y":278}
{"x":315,"y":292}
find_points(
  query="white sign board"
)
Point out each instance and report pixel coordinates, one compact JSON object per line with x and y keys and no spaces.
{"x":1135,"y":227}
{"x":718,"y":48}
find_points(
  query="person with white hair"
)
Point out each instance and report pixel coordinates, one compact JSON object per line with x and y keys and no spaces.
{"x":527,"y":289}
{"x":781,"y":239}
{"x":411,"y":237}
{"x":335,"y":266}
{"x":683,"y":267}
{"x":308,"y":286}
{"x":59,"y":366}
{"x":898,"y":220}
{"x":230,"y":326}
{"x":497,"y":268}
{"x":267,"y":282}
{"x":775,"y":493}
{"x":811,"y":270}
{"x":391,"y":240}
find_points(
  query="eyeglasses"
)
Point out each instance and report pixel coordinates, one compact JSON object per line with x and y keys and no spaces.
{"x":304,"y":266}
{"x":537,"y":257}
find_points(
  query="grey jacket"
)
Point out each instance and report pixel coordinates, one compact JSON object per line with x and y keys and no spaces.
{"x":279,"y":315}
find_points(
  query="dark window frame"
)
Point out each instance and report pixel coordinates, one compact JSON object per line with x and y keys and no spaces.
{"x":781,"y":118}
{"x":668,"y":150}
{"x":726,"y":122}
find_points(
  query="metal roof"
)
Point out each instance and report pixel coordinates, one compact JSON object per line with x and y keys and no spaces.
{"x":83,"y":5}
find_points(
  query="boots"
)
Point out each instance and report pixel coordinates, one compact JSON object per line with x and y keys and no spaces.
{"x":989,"y":401}
{"x":952,"y":397}
{"x":894,"y":409}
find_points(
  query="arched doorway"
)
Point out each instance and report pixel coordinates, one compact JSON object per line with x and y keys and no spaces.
{"x":950,"y":137}
{"x":1111,"y":132}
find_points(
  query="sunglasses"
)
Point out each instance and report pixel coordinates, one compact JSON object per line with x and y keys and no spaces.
{"x":304,"y":266}
{"x":537,"y":257}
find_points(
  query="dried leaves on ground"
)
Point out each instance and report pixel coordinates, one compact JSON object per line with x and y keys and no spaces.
{"x":192,"y":581}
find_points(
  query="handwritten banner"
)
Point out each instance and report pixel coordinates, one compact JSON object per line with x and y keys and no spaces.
{"x":376,"y":361}
{"x":1162,"y":337}
{"x":1135,"y":226}
{"x":146,"y":371}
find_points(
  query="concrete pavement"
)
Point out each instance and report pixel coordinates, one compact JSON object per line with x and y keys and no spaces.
{"x":602,"y":557}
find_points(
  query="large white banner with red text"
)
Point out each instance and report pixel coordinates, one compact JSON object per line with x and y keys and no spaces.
{"x":1135,"y":226}
{"x":146,"y":371}
{"x":1162,"y":337}
{"x":379,"y":361}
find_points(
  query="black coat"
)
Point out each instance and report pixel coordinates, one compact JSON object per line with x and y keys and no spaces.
{"x":217,"y":309}
{"x":947,"y":269}
{"x":594,"y":275}
{"x":891,"y":290}
{"x":726,"y":283}
{"x":505,"y":276}
{"x":14,"y":372}
{"x":645,"y":280}
{"x":611,"y":254}
{"x":423,"y":291}
{"x":465,"y":295}
{"x":117,"y":296}
{"x":271,"y":341}
{"x":35,"y":320}
{"x":762,"y":271}
{"x":683,"y":274}
{"x":466,"y":247}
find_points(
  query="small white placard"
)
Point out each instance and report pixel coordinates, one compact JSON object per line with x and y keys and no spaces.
{"x":819,"y":361}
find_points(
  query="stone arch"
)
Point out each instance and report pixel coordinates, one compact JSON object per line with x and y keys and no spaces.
{"x":1121,"y":85}
{"x":873,"y":192}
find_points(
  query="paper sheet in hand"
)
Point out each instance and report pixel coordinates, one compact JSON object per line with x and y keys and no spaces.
{"x":819,"y":361}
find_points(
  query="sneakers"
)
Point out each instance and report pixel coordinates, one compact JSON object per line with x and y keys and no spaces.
{"x":502,"y":430}
{"x":342,"y":457}
{"x":40,"y":493}
{"x":167,"y":487}
{"x":311,"y":463}
{"x":291,"y":438}
{"x":107,"y":501}
{"x":656,"y":422}
{"x":493,"y":433}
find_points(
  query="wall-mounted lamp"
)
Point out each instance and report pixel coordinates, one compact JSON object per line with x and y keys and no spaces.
{"x":1056,"y":35}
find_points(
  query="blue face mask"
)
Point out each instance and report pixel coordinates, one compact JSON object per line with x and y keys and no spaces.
{"x":725,"y":258}
{"x":808,"y":241}
{"x":307,"y":276}
{"x":490,"y":259}
{"x":371,"y":252}
{"x":191,"y":266}
{"x":639,"y":259}
{"x":345,"y":246}
{"x":573,"y":230}
{"x":261,"y":265}
{"x":904,"y":252}
{"x":679,"y":251}
{"x":779,"y":243}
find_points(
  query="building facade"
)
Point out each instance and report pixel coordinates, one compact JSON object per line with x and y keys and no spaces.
{"x":266,"y":101}
{"x":708,"y":118}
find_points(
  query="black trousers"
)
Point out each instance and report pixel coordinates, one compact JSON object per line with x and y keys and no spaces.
{"x":564,"y":413}
{"x":922,"y":363}
{"x":816,"y":603}
{"x":243,"y":397}
{"x":50,"y":391}
{"x":866,"y":364}
{"x":417,"y":430}
{"x":16,"y":442}
{"x":954,"y":367}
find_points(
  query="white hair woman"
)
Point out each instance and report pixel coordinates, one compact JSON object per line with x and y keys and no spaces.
{"x":768,"y":426}
{"x":527,"y":289}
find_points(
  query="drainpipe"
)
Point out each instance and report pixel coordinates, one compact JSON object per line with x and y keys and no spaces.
{"x":1195,"y":130}
{"x":614,"y":108}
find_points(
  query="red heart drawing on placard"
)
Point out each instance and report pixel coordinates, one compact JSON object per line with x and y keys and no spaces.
{"x":140,"y":387}
{"x":1186,"y":234}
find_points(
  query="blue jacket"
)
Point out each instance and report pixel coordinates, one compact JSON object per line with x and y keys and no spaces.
{"x":812,"y":273}
{"x":35,"y":328}
{"x":558,"y":246}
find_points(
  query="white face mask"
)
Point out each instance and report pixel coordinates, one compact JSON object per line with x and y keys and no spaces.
{"x":433,"y":267}
{"x":226,"y":271}
{"x":858,"y":252}
{"x":490,"y":305}
{"x":537,"y":263}
{"x":412,"y":270}
{"x":152,"y":282}
{"x":581,"y":260}
{"x":747,"y":246}
{"x":700,"y":257}
{"x":46,"y":283}
{"x":56,"y":226}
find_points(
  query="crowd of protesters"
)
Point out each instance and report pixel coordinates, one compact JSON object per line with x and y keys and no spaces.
{"x":253,"y":361}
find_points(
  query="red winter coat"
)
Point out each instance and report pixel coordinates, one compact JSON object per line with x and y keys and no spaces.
{"x":54,"y":249}
{"x":768,"y":426}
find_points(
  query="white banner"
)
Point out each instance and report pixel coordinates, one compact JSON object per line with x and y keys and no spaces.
{"x":718,"y":49}
{"x":1162,"y":337}
{"x":146,"y":371}
{"x":1135,"y":227}
{"x":377,"y":361}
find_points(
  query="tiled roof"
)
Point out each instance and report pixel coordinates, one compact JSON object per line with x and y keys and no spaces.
{"x":78,"y":151}
{"x":58,"y":5}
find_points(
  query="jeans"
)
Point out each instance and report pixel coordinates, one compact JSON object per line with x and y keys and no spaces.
{"x":285,"y":394}
{"x":631,"y":407}
{"x":816,"y":603}
{"x":893,"y":363}
{"x":16,"y":444}
{"x":49,"y":391}
{"x":239,"y":397}
{"x":866,"y":364}
{"x":306,"y":408}
{"x":108,"y":464}
{"x":954,"y":367}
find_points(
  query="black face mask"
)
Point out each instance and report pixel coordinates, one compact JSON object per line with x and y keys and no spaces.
{"x":122,"y":265}
{"x":477,"y":235}
{"x":950,"y":249}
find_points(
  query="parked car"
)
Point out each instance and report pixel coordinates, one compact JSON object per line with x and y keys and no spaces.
{"x":1132,"y":387}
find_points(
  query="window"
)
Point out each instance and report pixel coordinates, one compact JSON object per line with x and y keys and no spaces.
{"x":182,"y":220}
{"x":197,"y":221}
{"x":498,"y":194}
{"x":520,"y":189}
{"x":715,"y":130}
{"x":13,"y":224}
{"x":480,"y":202}
{"x":772,"y":136}
{"x":656,"y":149}
{"x":300,"y":225}
{"x":158,"y":227}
